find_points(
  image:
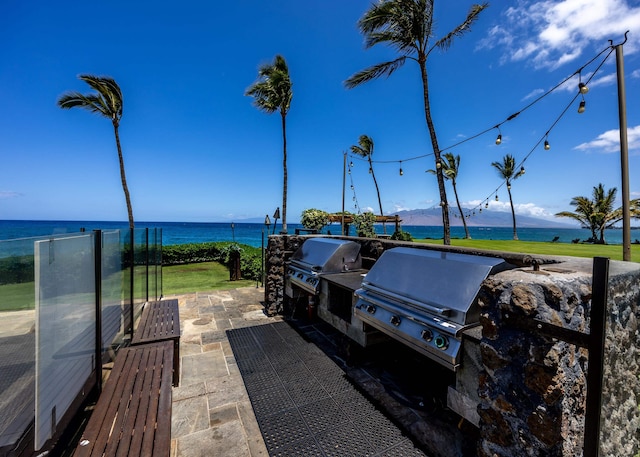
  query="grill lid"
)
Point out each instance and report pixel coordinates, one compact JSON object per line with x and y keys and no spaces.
{"x":446,"y":282}
{"x":326,"y":255}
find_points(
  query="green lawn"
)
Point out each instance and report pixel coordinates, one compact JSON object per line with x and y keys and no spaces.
{"x":197,"y":277}
{"x":15,"y":297}
{"x":614,"y":252}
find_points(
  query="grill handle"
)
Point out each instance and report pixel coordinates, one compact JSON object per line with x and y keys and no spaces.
{"x":400,"y":299}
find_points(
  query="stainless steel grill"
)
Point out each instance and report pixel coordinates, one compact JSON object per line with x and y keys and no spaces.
{"x":425,"y":299}
{"x":317,"y":256}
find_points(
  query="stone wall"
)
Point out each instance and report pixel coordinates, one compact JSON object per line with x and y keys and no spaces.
{"x":533,"y":387}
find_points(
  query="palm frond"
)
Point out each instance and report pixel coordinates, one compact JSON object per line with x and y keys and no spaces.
{"x":445,"y":42}
{"x":374,"y":72}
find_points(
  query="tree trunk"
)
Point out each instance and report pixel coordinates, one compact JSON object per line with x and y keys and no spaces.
{"x":436,"y":151}
{"x":123,"y":178}
{"x":284,"y":167}
{"x":375,"y":182}
{"x":464,"y":222}
{"x":513,"y":213}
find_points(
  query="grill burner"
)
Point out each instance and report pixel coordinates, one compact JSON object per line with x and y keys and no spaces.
{"x":425,"y":299}
{"x":318,"y":256}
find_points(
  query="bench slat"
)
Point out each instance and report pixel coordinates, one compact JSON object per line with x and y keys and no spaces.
{"x":126,"y":420}
{"x":160,"y":320}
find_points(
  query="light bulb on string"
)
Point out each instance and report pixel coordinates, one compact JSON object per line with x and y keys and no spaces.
{"x":499,"y":137}
{"x":582,"y":87}
{"x":351,"y":164}
{"x":508,"y":186}
{"x":401,"y":172}
{"x":496,"y":197}
{"x":582,"y":107}
{"x":547,"y":146}
{"x":522,"y":170}
{"x":370,"y":170}
{"x":480,"y":210}
{"x":486,"y":205}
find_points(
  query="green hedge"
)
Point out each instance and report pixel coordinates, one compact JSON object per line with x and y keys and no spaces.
{"x":16,"y":270}
{"x":250,"y":257}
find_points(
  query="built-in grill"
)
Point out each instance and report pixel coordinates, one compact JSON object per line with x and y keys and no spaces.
{"x":318,"y":256}
{"x":425,"y":299}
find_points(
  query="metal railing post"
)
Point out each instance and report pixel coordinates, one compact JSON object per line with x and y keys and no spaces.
{"x":597,"y":329}
{"x":97,"y":243}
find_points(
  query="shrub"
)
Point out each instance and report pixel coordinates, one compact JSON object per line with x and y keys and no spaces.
{"x":401,"y":236}
{"x":364,"y":224}
{"x":250,"y":257}
{"x":314,"y":219}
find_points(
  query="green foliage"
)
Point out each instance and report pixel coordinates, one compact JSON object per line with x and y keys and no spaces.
{"x":364,"y":224}
{"x":16,"y":270}
{"x":250,"y":257}
{"x":314,"y":219}
{"x":401,"y":236}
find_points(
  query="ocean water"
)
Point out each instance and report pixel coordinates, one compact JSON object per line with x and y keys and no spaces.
{"x":251,"y":233}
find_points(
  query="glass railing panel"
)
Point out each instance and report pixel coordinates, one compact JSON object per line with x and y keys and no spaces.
{"x":125,"y":259}
{"x":65,"y":327}
{"x":17,"y":339}
{"x":114,"y":303}
{"x":153,"y":268}
{"x":139,"y":271}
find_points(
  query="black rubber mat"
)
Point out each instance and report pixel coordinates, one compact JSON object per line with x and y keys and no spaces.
{"x":304,"y":404}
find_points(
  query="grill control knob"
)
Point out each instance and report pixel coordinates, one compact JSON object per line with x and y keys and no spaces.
{"x":427,"y":335}
{"x":371,"y":309}
{"x":442,"y":342}
{"x":395,"y":320}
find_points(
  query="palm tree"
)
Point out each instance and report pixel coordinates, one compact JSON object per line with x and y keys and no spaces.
{"x":364,"y":148}
{"x":108,"y":103}
{"x":407,"y":26}
{"x":507,"y":171}
{"x":450,"y":171}
{"x":272,"y":92}
{"x":597,"y":214}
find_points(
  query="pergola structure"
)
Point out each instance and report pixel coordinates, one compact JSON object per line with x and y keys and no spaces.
{"x":346,"y":219}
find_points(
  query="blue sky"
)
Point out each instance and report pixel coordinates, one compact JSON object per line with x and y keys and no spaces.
{"x":195,"y":148}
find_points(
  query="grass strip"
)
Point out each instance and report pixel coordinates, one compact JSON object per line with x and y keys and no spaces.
{"x":198,"y":277}
{"x":613,"y":251}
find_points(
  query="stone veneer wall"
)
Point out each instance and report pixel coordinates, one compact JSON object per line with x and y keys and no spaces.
{"x":533,"y":387}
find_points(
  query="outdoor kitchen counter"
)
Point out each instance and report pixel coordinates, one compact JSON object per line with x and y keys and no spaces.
{"x":351,"y":280}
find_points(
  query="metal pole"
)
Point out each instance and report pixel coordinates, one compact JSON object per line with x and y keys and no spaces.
{"x":344,"y":177}
{"x":624,"y":155}
{"x":597,"y":329}
{"x":262,"y":260}
{"x":97,"y":243}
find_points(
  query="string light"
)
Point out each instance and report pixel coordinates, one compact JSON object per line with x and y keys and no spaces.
{"x":401,"y":172}
{"x":547,"y":146}
{"x":486,"y":205}
{"x":582,"y":87}
{"x":582,"y":106}
{"x":496,"y":197}
{"x":499,"y":137}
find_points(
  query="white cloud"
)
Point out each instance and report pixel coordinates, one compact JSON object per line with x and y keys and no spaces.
{"x":522,"y":209}
{"x":550,"y":33}
{"x":4,"y":194}
{"x":609,"y":141}
{"x":533,"y":94}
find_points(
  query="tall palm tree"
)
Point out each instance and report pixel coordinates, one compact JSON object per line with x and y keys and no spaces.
{"x":364,"y":148}
{"x":407,"y":26}
{"x":272,"y":92}
{"x":597,"y":213}
{"x":507,"y":171}
{"x":450,"y":171}
{"x":108,"y":103}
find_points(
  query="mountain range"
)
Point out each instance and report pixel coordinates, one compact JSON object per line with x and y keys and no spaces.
{"x":486,"y":218}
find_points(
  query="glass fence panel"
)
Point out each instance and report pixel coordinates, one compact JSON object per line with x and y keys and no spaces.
{"x":153,"y":267}
{"x":114,"y":303}
{"x":125,"y":258}
{"x":65,"y":327}
{"x":140,"y":270}
{"x":17,"y":339}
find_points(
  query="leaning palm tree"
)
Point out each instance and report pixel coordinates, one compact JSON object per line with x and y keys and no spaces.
{"x":108,"y":103}
{"x":507,"y":171}
{"x":450,"y":171}
{"x":364,"y":148}
{"x":272,"y":92}
{"x":597,"y":214}
{"x":407,"y":26}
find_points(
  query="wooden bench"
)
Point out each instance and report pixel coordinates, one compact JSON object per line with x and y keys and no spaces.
{"x":160,"y":321}
{"x":133,"y":414}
